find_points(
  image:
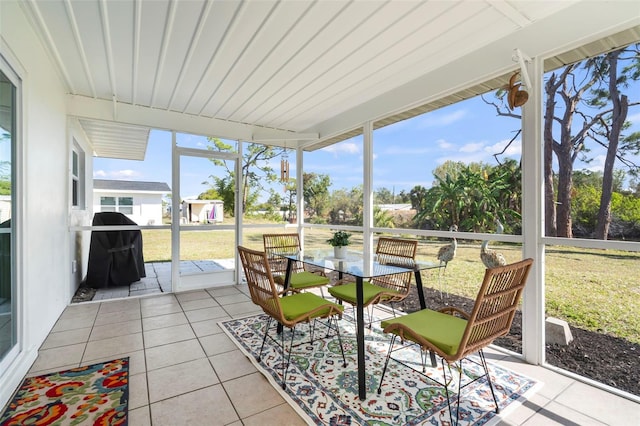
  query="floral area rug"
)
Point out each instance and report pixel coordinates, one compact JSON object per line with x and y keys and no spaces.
{"x":324,"y":392}
{"x":92,"y":395}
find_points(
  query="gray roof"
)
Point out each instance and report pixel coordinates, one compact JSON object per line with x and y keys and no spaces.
{"x":130,"y":185}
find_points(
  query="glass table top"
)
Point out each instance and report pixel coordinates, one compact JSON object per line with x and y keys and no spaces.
{"x":354,"y":263}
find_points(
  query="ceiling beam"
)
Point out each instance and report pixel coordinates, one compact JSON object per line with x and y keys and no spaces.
{"x":103,"y":110}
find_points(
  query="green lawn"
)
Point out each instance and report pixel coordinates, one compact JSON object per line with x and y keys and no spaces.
{"x":597,"y":290}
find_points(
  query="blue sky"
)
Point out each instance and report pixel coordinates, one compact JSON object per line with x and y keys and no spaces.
{"x":405,"y":153}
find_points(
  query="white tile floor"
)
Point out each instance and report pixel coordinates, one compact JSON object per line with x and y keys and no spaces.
{"x":185,"y":371}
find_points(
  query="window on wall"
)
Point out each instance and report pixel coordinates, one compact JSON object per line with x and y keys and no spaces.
{"x":123,"y":205}
{"x":77,"y":177}
{"x":74,"y":180}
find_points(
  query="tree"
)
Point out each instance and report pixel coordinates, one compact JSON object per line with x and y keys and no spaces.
{"x":417,"y":196}
{"x":339,"y":206}
{"x":443,"y":203}
{"x":450,"y":168}
{"x":273,"y":203}
{"x":382,"y":218}
{"x":473,"y":196}
{"x":225,"y":188}
{"x":209,"y":194}
{"x":346,"y":206}
{"x":611,"y":128}
{"x":256,"y":172}
{"x":315,"y":192}
{"x":403,"y":197}
{"x":290,"y":192}
{"x":384,"y":196}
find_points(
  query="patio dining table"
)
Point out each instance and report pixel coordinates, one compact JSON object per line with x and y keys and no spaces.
{"x":354,"y":264}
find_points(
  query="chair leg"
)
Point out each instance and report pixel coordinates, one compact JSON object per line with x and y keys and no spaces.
{"x":312,"y":324}
{"x":386,"y":363}
{"x":459,"y":389}
{"x":264,"y":339}
{"x":423,"y":358}
{"x":370,"y":313}
{"x":446,"y":391}
{"x":486,"y":372}
{"x":344,"y":360}
{"x":285,"y":365}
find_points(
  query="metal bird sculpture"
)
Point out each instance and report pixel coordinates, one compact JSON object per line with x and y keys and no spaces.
{"x":446,"y":255}
{"x":489,"y":257}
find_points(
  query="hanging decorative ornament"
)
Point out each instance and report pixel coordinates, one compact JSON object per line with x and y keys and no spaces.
{"x":284,"y":166}
{"x":516,"y":96}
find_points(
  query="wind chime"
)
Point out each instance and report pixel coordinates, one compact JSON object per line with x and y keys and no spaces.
{"x":284,"y":166}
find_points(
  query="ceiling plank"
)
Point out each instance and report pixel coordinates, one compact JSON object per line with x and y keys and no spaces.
{"x":78,"y":40}
{"x":166,"y":36}
{"x":510,"y":12}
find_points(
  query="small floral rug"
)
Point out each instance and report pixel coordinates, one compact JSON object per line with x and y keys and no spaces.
{"x":92,"y":395}
{"x":326,"y":393}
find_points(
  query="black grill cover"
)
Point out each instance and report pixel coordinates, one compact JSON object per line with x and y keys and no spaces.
{"x":115,"y":257}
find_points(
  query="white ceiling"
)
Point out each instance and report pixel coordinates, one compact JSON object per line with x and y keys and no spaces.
{"x":301,"y":70}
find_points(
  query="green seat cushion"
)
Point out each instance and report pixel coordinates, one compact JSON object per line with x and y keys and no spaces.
{"x":299,"y":304}
{"x":302,"y":280}
{"x":442,"y":330}
{"x":347,"y":292}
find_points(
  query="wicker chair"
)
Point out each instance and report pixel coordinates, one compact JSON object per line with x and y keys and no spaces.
{"x":387,"y":288}
{"x":276,"y":245}
{"x":454,"y":335}
{"x":288,"y":311}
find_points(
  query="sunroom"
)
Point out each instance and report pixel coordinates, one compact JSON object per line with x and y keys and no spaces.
{"x":89,"y":81}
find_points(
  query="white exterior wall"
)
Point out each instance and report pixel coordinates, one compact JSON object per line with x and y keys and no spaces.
{"x":147,"y":208}
{"x":79,"y":241}
{"x":43,"y":263}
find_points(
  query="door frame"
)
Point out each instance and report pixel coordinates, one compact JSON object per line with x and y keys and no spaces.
{"x":191,"y":282}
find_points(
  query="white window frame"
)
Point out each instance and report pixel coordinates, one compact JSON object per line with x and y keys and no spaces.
{"x":77,"y":171}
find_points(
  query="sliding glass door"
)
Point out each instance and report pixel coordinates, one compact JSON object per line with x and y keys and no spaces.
{"x":8,"y":136}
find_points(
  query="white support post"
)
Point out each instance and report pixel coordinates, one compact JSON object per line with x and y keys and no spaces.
{"x":299,"y":195}
{"x":175,"y":214}
{"x":367,"y":190}
{"x":533,"y":218}
{"x":238,"y":210}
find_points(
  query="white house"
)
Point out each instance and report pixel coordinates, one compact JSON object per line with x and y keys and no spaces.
{"x":202,"y":211}
{"x":139,"y":201}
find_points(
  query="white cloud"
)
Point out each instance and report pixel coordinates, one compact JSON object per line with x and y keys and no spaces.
{"x":400,"y":150}
{"x":326,"y":168}
{"x":597,"y":165}
{"x":344,"y":147}
{"x":514,"y":149}
{"x":634,"y":118}
{"x":472,"y":147}
{"x":443,"y":144}
{"x":465,"y":158}
{"x":440,"y":120}
{"x":117,"y":174}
